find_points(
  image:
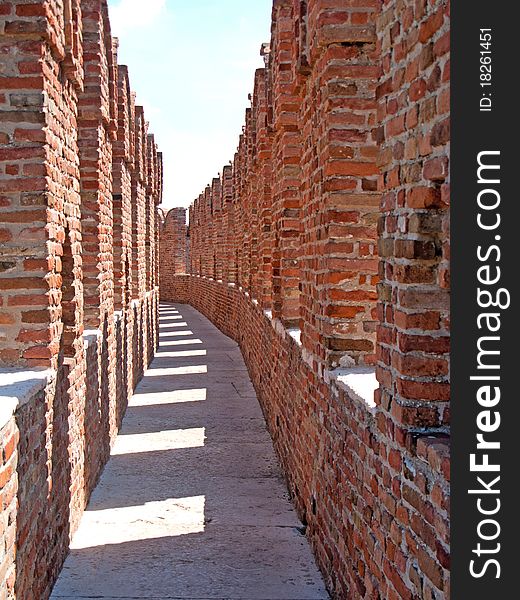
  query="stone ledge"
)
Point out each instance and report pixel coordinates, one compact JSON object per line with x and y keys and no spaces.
{"x":296,"y":334}
{"x":91,"y":336}
{"x":17,"y":387}
{"x":359,"y":381}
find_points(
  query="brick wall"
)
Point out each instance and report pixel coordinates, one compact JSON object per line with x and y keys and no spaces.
{"x":334,"y":222}
{"x":414,"y":132}
{"x":377,"y":517}
{"x":173,"y":244}
{"x":80,"y":181}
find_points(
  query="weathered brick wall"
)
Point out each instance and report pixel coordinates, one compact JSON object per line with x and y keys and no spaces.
{"x":303,"y":193}
{"x":377,"y":517}
{"x":80,"y":181}
{"x":122,"y":194}
{"x":336,"y":254}
{"x":414,"y":132}
{"x":173,"y":244}
{"x":284,"y":83}
{"x":39,"y":178}
{"x":340,"y":191}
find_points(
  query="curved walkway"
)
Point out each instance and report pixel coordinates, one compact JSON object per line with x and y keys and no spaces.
{"x":192,"y":504}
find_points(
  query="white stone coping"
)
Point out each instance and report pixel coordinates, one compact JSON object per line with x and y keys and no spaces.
{"x":137,"y":301}
{"x":296,"y":334}
{"x":17,"y":387}
{"x":358,"y":381}
{"x":91,"y":336}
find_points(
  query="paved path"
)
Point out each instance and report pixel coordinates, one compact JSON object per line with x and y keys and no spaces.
{"x":192,"y":504}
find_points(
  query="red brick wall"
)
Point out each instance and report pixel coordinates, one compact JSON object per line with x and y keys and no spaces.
{"x":340,"y":188}
{"x":414,"y":133}
{"x":173,"y":244}
{"x":303,"y":192}
{"x":39,"y":181}
{"x":336,"y":224}
{"x":77,"y":416}
{"x":378,"y":518}
{"x":96,"y":124}
{"x":284,"y":84}
{"x":80,"y":181}
{"x":122,"y":194}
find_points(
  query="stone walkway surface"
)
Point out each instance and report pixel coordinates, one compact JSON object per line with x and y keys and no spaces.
{"x":192,"y":504}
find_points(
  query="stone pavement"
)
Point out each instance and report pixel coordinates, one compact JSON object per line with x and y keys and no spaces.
{"x":192,"y":504}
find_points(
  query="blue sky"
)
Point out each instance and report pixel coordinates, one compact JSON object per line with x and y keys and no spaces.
{"x":192,"y":66}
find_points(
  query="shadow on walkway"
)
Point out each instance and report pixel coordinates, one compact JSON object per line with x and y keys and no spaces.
{"x":192,"y":504}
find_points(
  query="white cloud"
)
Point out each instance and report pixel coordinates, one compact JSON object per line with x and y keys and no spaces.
{"x":135,"y":14}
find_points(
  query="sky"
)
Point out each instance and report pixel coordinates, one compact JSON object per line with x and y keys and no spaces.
{"x":192,"y":64}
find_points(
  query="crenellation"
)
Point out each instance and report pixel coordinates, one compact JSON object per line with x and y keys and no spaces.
{"x":322,"y":248}
{"x":336,"y":281}
{"x":69,"y":183}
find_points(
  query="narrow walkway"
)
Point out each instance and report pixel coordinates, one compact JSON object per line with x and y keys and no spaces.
{"x":192,"y":504}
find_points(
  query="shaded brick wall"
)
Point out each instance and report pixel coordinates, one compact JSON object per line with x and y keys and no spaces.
{"x":173,"y":243}
{"x":80,"y":181}
{"x":333,"y":249}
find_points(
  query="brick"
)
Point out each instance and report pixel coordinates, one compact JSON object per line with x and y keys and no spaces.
{"x":421,"y":366}
{"x":424,"y":197}
{"x":424,"y":321}
{"x":31,"y":10}
{"x":5,"y":235}
{"x":415,"y":297}
{"x":436,"y":392}
{"x":436,"y":169}
{"x":440,"y":134}
{"x":429,"y":27}
{"x":342,"y":33}
{"x":424,"y":343}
